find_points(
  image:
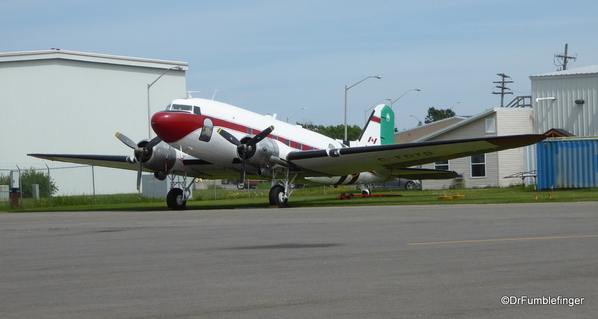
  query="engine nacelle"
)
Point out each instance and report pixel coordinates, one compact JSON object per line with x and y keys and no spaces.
{"x":161,"y":159}
{"x":160,"y":175}
{"x":261,"y":154}
{"x":264,"y":172}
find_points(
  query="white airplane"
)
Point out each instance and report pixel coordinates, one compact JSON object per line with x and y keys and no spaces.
{"x":212,"y":140}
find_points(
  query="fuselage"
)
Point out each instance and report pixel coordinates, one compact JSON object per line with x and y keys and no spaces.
{"x":191,"y":126}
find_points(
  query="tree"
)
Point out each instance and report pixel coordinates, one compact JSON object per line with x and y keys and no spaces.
{"x":28,"y":179}
{"x":334,"y":131}
{"x":438,"y":114}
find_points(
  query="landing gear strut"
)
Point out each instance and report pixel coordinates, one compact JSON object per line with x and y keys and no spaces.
{"x":177,"y":197}
{"x":281,"y":190}
{"x":366,"y":189}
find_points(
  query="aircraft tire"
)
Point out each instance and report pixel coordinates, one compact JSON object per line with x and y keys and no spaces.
{"x":175,"y":199}
{"x":276,"y":196}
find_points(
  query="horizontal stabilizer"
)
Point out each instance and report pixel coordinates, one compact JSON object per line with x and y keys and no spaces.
{"x":424,"y":173}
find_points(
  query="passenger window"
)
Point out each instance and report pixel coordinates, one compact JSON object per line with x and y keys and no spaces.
{"x":196,"y":110}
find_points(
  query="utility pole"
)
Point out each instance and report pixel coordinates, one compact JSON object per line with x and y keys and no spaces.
{"x":502,"y":87}
{"x":564,"y":57}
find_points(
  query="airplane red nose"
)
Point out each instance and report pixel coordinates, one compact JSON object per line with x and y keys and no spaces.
{"x":172,"y":126}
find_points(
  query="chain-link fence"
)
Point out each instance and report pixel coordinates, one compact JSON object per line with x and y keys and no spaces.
{"x":68,"y":180}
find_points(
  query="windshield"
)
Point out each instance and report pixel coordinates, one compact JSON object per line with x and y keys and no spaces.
{"x":180,"y":107}
{"x":184,"y":108}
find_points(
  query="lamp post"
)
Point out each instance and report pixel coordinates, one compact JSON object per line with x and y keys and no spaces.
{"x":365,"y":116}
{"x":420,"y":122}
{"x":392,"y":102}
{"x":149,"y":132}
{"x":288,"y":118}
{"x":347,"y":89}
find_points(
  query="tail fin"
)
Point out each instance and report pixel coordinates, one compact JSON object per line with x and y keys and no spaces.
{"x":380,"y":128}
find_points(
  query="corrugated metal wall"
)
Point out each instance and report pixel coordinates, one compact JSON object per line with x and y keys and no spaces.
{"x":562,"y":112}
{"x":75,"y":107}
{"x":530,"y":162}
{"x":568,"y":163}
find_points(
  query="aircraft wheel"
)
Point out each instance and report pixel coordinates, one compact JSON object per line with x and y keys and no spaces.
{"x":175,"y":199}
{"x":365,"y":192}
{"x":277,"y":196}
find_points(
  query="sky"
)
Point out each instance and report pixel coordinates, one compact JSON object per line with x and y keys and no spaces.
{"x":282,"y":56}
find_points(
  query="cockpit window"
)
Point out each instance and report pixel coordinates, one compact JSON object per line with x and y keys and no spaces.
{"x":180,"y":107}
{"x":184,"y":108}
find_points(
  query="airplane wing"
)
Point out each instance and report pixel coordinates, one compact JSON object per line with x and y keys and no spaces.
{"x":393,"y":157}
{"x":113,"y":161}
{"x":193,"y":167}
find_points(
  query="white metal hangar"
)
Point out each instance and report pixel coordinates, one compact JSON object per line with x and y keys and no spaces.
{"x":66,"y":102}
{"x":566,"y":100}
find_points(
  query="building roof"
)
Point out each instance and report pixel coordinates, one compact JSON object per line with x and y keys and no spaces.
{"x":89,"y":57}
{"x":467,"y":121}
{"x":559,"y":132}
{"x":592,"y":69}
{"x":410,"y":135}
{"x":456,"y":125}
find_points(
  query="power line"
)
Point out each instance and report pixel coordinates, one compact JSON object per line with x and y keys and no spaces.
{"x":561,"y":59}
{"x":502,"y":87}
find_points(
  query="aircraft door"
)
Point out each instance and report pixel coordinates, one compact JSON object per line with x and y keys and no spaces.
{"x":206,"y":130}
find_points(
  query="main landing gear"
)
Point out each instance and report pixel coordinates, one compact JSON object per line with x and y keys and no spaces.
{"x":366,"y":189}
{"x":281,"y":190}
{"x":179,"y":192}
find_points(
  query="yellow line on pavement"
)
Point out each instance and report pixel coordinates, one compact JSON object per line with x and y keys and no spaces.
{"x":502,"y":239}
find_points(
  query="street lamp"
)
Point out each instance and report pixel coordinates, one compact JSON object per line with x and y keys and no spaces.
{"x":288,"y":118}
{"x":365,"y":116}
{"x":347,"y":89}
{"x":420,"y":122}
{"x":149,"y":132}
{"x":392,"y":102}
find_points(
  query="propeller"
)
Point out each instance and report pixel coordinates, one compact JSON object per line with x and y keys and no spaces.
{"x":141,"y":153}
{"x":246,"y":149}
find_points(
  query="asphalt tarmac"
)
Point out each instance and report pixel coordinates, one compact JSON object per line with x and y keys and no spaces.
{"x":463,"y":261}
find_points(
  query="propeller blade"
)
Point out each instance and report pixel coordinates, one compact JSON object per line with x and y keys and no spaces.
{"x":242,"y":177}
{"x":260,"y":136}
{"x":229,"y":137}
{"x":139,"y":176}
{"x":139,"y":153}
{"x":127,"y":141}
{"x":243,"y":149}
{"x":155,"y":141}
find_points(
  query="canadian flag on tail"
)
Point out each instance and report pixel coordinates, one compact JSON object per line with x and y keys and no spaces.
{"x":380,"y":127}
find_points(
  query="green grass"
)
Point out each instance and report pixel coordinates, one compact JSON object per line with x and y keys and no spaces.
{"x":309,"y":197}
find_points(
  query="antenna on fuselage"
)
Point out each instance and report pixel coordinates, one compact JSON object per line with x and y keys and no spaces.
{"x":214,"y":95}
{"x":189,"y":94}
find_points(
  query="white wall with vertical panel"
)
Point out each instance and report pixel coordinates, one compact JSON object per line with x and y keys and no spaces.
{"x":66,"y":102}
{"x":562,"y":112}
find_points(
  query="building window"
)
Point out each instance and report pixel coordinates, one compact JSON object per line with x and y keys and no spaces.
{"x":443,"y":165}
{"x":490,"y":125}
{"x":478,"y":165}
